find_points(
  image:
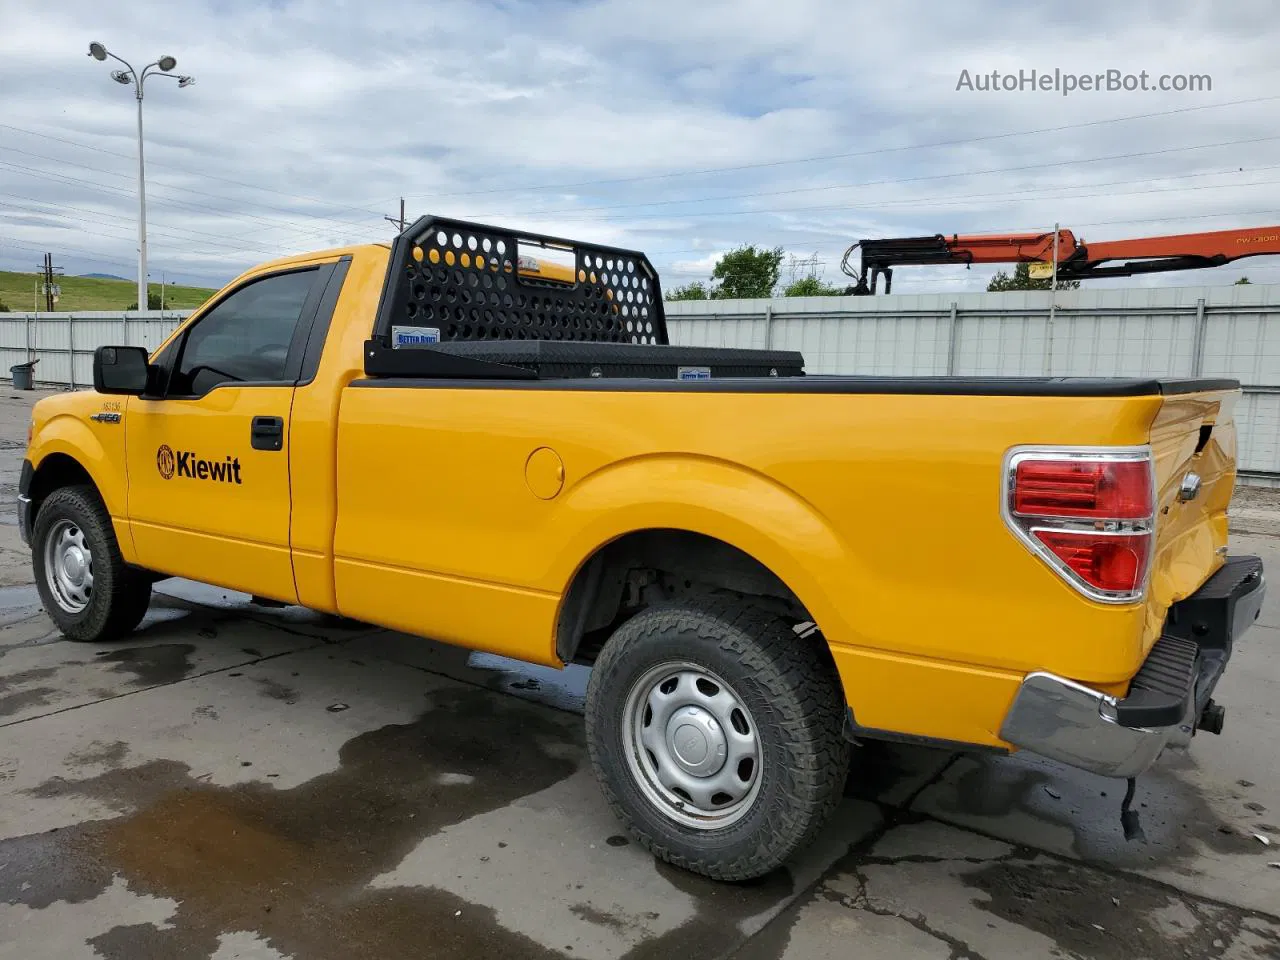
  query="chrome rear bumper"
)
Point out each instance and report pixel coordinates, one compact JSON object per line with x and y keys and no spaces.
{"x":1120,"y":737}
{"x":1071,"y":723}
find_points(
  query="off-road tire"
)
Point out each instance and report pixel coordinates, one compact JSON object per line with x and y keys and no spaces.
{"x":121,"y":593}
{"x":791,"y":688}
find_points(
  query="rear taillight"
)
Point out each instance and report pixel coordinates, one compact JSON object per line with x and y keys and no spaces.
{"x":1089,"y":514}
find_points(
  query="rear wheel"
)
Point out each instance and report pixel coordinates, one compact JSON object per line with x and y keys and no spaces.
{"x":87,"y":589}
{"x":716,"y":735}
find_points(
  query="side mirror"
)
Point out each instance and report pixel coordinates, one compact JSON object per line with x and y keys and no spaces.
{"x":120,"y":370}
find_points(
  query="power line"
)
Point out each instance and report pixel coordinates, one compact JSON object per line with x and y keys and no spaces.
{"x":228,"y":254}
{"x":397,"y":222}
{"x":177,"y":204}
{"x":88,"y":256}
{"x":893,"y":181}
{"x":216,"y":239}
{"x":203,"y":176}
{"x":284,"y":224}
{"x":860,"y":153}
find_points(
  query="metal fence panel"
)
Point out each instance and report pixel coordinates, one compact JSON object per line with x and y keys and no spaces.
{"x":63,"y":343}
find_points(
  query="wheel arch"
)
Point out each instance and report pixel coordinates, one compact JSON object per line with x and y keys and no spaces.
{"x":739,"y":530}
{"x":643,"y":567}
{"x":66,"y":449}
{"x":66,"y":453}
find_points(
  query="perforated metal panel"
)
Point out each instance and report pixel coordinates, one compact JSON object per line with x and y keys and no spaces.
{"x":466,"y":281}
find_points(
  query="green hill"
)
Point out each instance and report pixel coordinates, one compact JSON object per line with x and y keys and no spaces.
{"x":18,"y":290}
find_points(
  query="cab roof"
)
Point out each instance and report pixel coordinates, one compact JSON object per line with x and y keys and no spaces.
{"x":299,"y":259}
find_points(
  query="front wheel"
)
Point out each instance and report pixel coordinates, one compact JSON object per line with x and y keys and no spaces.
{"x":87,"y":589}
{"x":716,"y":735}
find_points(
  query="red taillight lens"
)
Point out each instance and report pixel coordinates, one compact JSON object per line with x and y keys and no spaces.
{"x":1089,"y":514}
{"x":1116,"y":563}
{"x":1102,"y":489}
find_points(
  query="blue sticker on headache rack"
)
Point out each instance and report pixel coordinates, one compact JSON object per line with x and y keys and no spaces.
{"x":693,"y":373}
{"x":414,"y":336}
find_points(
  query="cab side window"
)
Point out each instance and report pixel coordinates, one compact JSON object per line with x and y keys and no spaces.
{"x":248,"y":337}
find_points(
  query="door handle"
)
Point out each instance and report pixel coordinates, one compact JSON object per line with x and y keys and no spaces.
{"x":267,"y":433}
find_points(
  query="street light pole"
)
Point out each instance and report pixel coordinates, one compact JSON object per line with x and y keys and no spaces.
{"x":128,"y":75}
{"x":142,"y":215}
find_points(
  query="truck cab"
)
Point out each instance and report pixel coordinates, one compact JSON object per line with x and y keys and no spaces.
{"x":761,"y":566}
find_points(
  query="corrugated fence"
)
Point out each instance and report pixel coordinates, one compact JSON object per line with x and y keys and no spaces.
{"x":1158,"y":331}
{"x":63,"y":343}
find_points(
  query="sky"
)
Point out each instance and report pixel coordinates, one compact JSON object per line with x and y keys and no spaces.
{"x":681,"y":129}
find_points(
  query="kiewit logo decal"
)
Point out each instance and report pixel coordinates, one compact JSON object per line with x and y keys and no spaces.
{"x":164,"y":462}
{"x":186,"y":464}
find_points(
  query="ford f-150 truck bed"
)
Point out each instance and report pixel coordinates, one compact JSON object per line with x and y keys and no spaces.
{"x":762,"y":566}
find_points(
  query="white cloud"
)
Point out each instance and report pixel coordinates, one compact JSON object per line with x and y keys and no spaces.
{"x":310,"y":119}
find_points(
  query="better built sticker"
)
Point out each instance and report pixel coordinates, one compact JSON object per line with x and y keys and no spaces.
{"x":693,"y":373}
{"x":414,"y":336}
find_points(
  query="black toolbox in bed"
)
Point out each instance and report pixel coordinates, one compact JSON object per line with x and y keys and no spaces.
{"x":459,"y":302}
{"x":561,"y":358}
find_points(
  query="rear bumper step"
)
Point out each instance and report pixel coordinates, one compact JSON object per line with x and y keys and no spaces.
{"x":1170,"y":694}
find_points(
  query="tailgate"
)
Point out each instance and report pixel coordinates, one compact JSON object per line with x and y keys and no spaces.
{"x":1193,"y":442}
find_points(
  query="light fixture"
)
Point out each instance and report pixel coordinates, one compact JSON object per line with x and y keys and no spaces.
{"x":97,"y":51}
{"x":121,"y":76}
{"x":167,"y":63}
{"x":186,"y":81}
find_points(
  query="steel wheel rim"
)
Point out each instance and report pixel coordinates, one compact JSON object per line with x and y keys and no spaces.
{"x":692,"y":745}
{"x":68,"y":566}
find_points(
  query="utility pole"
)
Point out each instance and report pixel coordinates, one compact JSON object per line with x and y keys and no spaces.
{"x":52,"y":291}
{"x":397,"y":221}
{"x":1053,"y":301}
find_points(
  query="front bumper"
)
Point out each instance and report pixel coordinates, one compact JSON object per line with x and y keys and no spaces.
{"x":1122,"y":736}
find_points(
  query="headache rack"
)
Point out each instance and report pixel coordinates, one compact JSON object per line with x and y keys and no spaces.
{"x":468,"y":300}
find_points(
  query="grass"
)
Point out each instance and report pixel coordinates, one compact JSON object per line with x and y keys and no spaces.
{"x":83,"y":293}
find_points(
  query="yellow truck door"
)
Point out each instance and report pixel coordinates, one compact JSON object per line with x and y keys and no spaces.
{"x":208,"y":457}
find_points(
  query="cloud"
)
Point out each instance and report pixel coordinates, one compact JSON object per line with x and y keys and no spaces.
{"x":592,"y":118}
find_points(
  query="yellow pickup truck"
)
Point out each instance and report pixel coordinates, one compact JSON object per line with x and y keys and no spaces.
{"x":762,"y":566}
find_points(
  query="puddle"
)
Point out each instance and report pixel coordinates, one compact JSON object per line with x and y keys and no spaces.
{"x":724,"y":913}
{"x":560,"y":689}
{"x":152,"y":665}
{"x":1102,"y":915}
{"x":18,"y":694}
{"x":294,"y":865}
{"x":1172,"y":814}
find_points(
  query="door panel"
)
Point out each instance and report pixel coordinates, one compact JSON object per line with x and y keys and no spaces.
{"x":204,"y":501}
{"x":208,"y":460}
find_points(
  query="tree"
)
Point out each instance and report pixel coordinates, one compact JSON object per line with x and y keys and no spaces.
{"x":1243,"y":281}
{"x":811,"y":287}
{"x":691,"y":291}
{"x":746,"y":272}
{"x":1021,"y":280}
{"x":4,"y":307}
{"x":153,"y":302}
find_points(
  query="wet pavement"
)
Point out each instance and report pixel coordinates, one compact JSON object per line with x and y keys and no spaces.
{"x":236,"y":781}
